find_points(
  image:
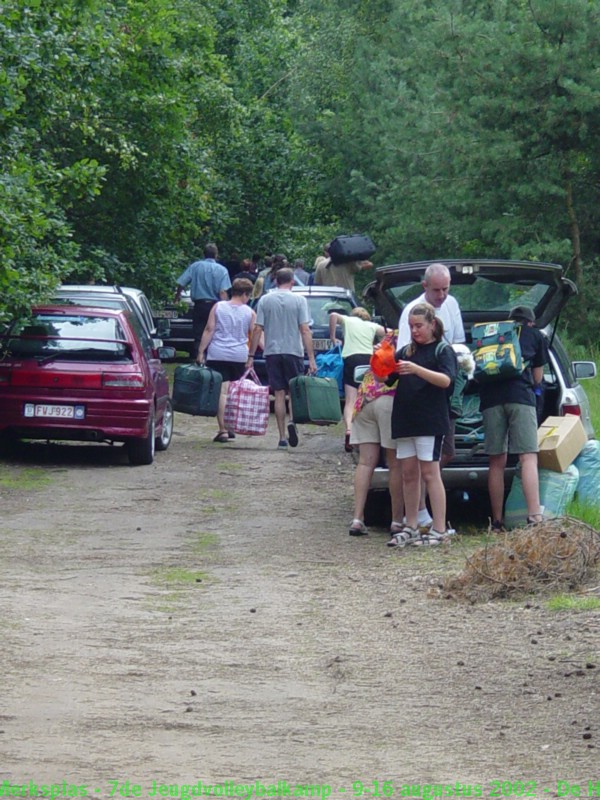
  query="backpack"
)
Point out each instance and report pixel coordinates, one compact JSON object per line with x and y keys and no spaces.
{"x":497,"y":351}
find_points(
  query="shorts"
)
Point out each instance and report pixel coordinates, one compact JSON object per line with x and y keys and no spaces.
{"x":373,"y":423}
{"x":281,"y":368}
{"x":357,"y":360}
{"x":425,"y":448}
{"x":510,"y":428}
{"x":229,"y":370}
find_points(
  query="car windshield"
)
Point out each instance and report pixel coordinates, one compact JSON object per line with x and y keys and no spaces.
{"x":68,"y":336}
{"x":480,"y":294}
{"x":97,"y":300}
{"x":319,"y":308}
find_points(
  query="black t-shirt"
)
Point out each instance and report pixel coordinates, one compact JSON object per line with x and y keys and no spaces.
{"x":519,"y":389}
{"x":420,"y":408}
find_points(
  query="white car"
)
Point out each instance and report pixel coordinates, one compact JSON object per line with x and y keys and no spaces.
{"x":486,"y":291}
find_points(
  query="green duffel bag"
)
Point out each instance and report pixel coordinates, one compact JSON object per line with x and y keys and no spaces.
{"x":196,"y":390}
{"x":315,"y":400}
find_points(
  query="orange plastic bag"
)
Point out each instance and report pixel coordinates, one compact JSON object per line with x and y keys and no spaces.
{"x":383,"y":360}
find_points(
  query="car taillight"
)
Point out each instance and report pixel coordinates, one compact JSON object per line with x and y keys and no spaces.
{"x":50,"y":379}
{"x":123,"y":381}
{"x":571,"y":410}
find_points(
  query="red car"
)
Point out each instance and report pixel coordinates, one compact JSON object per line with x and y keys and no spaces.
{"x":85,"y":374}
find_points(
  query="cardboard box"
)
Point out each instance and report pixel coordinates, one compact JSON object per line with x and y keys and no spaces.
{"x":560,"y":440}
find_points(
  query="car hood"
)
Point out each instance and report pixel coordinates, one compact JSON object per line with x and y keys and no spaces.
{"x":485,"y":289}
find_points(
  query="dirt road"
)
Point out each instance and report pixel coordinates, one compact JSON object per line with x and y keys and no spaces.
{"x":207,"y":620}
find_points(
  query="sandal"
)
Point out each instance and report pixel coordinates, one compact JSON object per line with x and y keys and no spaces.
{"x":358,"y":528}
{"x":535,"y":519}
{"x":347,"y":446}
{"x":222,"y":436}
{"x":406,"y":536}
{"x":434,"y":538}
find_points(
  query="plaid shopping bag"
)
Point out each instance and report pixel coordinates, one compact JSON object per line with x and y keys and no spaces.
{"x":247,"y":406}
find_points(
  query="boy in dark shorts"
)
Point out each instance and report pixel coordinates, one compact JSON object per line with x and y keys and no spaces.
{"x":510,"y":421}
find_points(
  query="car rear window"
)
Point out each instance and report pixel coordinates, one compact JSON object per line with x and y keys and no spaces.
{"x":480,"y":294}
{"x":319,"y":308}
{"x":70,"y":336}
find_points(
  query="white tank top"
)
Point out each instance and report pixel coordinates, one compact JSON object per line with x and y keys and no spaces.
{"x":230,"y":337}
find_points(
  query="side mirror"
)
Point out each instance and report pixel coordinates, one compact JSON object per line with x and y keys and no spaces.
{"x":166,"y":353}
{"x":584,"y":369}
{"x":360,"y":372}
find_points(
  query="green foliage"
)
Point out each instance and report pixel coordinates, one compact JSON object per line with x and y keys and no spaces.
{"x":133,"y":131}
{"x":573,"y":602}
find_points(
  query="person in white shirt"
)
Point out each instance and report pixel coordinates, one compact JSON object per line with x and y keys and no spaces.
{"x":436,"y":285}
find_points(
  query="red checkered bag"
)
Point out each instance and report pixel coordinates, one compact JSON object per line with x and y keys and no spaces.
{"x":247,"y":406}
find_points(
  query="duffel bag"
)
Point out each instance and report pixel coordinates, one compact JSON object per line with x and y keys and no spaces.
{"x":356,"y":247}
{"x":315,"y":400}
{"x":247,"y":406}
{"x":196,"y":390}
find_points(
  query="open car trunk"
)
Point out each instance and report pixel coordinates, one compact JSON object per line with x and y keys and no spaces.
{"x":486,"y":291}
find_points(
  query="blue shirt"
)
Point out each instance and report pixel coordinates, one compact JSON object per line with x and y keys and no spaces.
{"x":207,"y":277}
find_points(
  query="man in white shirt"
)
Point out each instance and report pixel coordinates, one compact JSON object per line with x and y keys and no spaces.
{"x":436,"y":285}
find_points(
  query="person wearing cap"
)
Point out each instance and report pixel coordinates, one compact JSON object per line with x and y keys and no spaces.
{"x":510,"y":421}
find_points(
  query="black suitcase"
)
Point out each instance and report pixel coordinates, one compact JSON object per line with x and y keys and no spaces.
{"x":196,"y":390}
{"x":357,"y":247}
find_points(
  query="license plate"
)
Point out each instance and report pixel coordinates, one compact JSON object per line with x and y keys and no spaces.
{"x":53,"y":411}
{"x":167,"y":313}
{"x":322,"y":344}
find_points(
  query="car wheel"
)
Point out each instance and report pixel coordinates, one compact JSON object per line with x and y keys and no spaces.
{"x":164,"y":440}
{"x":8,"y":443}
{"x":141,"y":450}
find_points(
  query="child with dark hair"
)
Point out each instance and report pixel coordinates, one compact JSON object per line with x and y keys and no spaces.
{"x":420,"y":419}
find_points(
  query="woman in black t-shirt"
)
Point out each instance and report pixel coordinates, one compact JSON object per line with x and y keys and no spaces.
{"x":420,"y":420}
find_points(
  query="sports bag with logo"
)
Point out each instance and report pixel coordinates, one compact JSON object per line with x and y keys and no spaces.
{"x":497,"y":351}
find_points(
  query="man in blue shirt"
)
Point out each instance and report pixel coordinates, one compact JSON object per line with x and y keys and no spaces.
{"x":209,"y":283}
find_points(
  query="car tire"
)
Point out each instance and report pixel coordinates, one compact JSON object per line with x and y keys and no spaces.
{"x":141,"y":450}
{"x":164,"y":440}
{"x":8,"y":443}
